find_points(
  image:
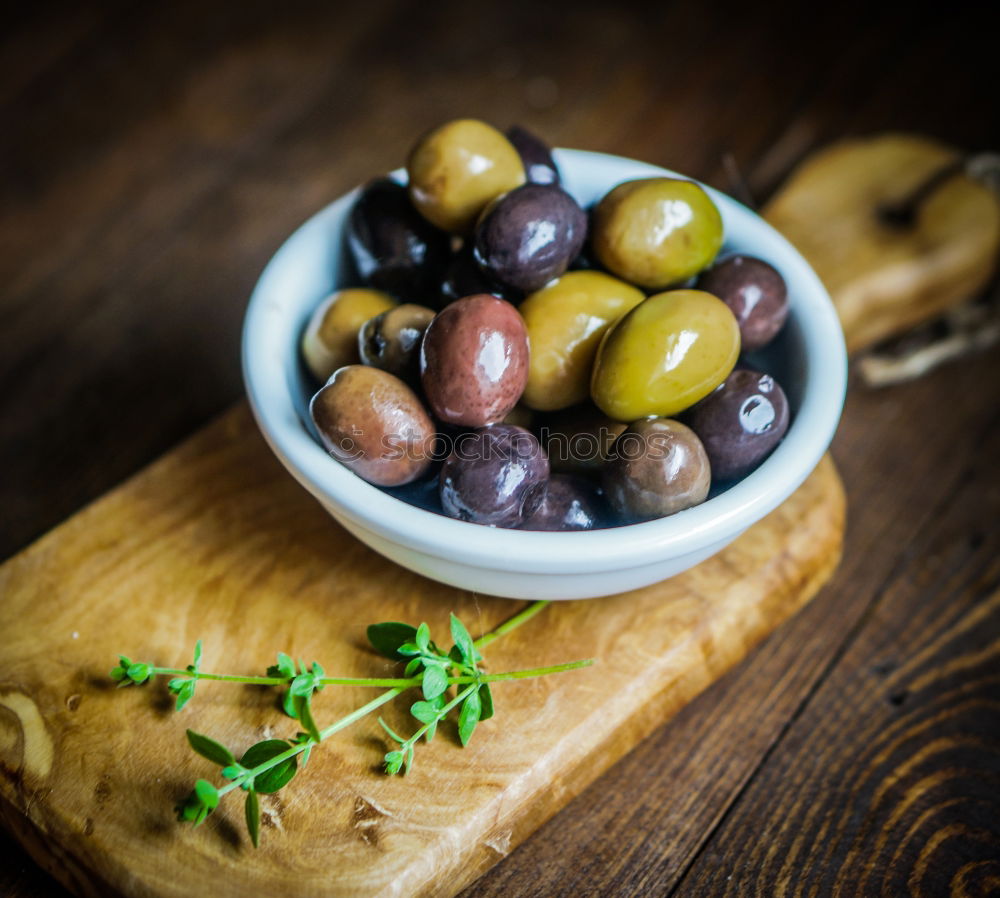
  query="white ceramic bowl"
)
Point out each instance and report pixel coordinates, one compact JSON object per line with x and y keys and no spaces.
{"x":808,"y":359}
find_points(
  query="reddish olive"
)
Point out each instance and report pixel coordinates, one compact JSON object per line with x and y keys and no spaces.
{"x":474,"y":361}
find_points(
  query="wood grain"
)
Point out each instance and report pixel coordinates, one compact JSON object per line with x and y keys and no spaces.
{"x":154,"y":157}
{"x":216,"y":542}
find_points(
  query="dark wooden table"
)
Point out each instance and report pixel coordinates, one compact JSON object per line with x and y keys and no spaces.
{"x":154,"y":156}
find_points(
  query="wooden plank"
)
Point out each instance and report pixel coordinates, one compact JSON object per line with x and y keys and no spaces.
{"x":886,"y":783}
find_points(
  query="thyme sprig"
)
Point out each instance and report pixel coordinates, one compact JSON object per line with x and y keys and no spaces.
{"x":271,"y":764}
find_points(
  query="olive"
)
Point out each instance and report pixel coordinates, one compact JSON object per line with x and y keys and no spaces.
{"x":457,"y":168}
{"x":579,"y":439}
{"x":330,"y":340}
{"x":656,"y":232}
{"x":463,"y":277}
{"x":374,"y":424}
{"x":740,"y":423}
{"x":536,"y":155}
{"x":529,"y":236}
{"x":565,"y":322}
{"x":658,"y":467}
{"x":394,"y":247}
{"x":756,"y":293}
{"x":391,"y":341}
{"x":671,"y":350}
{"x":565,"y":502}
{"x":491,"y":473}
{"x":474,"y":361}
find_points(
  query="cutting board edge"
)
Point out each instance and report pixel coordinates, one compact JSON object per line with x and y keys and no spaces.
{"x":591,"y":766}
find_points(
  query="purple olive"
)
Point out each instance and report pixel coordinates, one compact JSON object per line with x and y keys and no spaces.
{"x":740,"y":423}
{"x":491,"y":474}
{"x":756,"y":294}
{"x":565,"y":502}
{"x":529,"y":236}
{"x":394,"y":247}
{"x":535,"y":154}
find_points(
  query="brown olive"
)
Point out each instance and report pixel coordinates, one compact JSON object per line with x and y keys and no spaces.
{"x":391,"y":341}
{"x":330,"y":340}
{"x":457,"y":168}
{"x":658,"y":467}
{"x":374,"y":424}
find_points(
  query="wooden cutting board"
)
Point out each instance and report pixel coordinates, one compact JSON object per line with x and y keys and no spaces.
{"x":215,"y":541}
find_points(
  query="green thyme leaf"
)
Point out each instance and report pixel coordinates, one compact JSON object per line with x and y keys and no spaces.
{"x":303,"y":685}
{"x":307,"y":720}
{"x":284,"y":668}
{"x":393,"y":761}
{"x":252,"y":809}
{"x":486,"y":700}
{"x":209,"y":748}
{"x":469,"y":717}
{"x":138,"y":673}
{"x":423,"y":638}
{"x":435,"y":682}
{"x":463,"y":641}
{"x":425,"y":712}
{"x":199,"y":804}
{"x":388,"y":637}
{"x":185,"y":695}
{"x":276,"y":777}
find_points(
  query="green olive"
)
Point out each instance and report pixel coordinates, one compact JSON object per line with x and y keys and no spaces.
{"x":655,"y":232}
{"x":457,"y":168}
{"x":566,"y":320}
{"x":330,"y":340}
{"x":667,"y":353}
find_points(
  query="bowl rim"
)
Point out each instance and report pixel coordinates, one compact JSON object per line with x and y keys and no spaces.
{"x":264,"y":360}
